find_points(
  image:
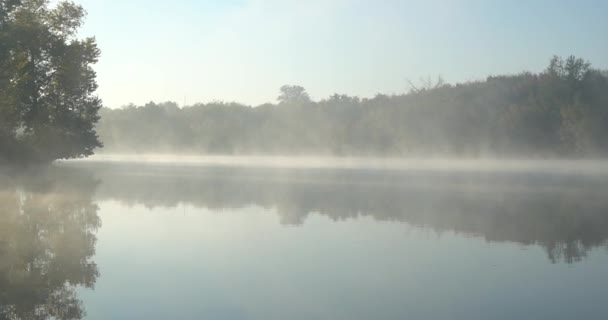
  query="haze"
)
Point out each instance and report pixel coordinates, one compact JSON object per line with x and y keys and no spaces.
{"x":270,"y":160}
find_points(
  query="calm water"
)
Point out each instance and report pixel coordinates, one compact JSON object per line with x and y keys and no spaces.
{"x":124,"y":241}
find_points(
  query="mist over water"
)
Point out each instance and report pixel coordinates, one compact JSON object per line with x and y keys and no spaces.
{"x":484,"y":198}
{"x":349,"y":238}
{"x":473,"y":165}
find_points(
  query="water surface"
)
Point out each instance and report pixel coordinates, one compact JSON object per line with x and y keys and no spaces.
{"x":122,"y":240}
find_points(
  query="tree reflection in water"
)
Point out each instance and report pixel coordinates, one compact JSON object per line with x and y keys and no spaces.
{"x":565,"y":214}
{"x":48,"y":223}
{"x":48,"y":218}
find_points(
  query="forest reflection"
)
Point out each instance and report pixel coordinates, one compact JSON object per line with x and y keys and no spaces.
{"x":48,"y":222}
{"x":565,"y":214}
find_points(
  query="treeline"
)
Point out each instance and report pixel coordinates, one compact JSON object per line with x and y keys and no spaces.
{"x":562,"y":111}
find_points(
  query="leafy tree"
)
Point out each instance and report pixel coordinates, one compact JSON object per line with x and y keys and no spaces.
{"x":295,"y":95}
{"x":48,"y":84}
{"x":8,"y":122}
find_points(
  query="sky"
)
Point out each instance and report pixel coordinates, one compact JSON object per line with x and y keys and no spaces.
{"x":191,"y":51}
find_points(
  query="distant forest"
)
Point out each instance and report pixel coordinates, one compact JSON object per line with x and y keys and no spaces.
{"x":562,"y":111}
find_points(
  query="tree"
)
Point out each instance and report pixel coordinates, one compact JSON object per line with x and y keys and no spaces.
{"x":48,"y":84}
{"x":8,"y":123}
{"x":572,"y":68}
{"x":296,"y":95}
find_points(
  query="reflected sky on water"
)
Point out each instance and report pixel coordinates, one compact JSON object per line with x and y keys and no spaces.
{"x":125,"y":241}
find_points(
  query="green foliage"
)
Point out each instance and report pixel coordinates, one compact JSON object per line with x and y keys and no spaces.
{"x":48,"y":107}
{"x":562,"y":111}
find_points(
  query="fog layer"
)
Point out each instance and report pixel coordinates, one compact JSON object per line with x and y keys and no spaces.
{"x":560,"y":112}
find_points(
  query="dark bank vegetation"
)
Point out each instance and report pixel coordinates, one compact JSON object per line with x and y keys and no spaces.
{"x":48,"y":109}
{"x":562,"y":111}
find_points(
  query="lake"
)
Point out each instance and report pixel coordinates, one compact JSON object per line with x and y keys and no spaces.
{"x":158,"y":240}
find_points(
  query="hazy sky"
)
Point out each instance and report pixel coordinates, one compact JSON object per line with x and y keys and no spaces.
{"x":244,"y":50}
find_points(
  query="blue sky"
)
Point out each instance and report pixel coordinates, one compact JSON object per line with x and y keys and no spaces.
{"x":244,"y":50}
